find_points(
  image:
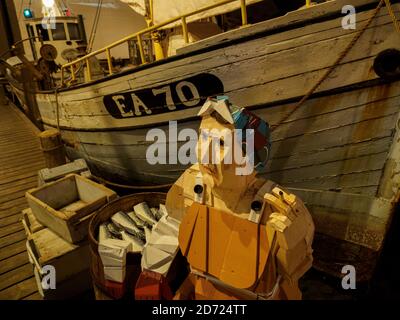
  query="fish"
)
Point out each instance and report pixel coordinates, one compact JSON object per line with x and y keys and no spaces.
{"x":156,"y":213}
{"x":139,"y":223}
{"x":127,"y":224}
{"x":143,"y":212}
{"x":163,"y":210}
{"x":137,"y":244}
{"x":114,"y":230}
{"x":104,"y":233}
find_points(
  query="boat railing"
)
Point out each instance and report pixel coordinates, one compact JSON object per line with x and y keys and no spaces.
{"x":71,"y":66}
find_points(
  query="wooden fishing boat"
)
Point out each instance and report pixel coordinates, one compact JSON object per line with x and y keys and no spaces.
{"x":338,"y":149}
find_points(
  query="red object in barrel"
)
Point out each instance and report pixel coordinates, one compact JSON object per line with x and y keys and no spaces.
{"x":152,"y":286}
{"x":115,"y":289}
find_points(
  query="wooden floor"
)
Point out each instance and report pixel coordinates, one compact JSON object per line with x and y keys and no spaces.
{"x":20,"y":160}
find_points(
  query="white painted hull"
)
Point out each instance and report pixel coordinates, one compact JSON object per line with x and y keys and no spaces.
{"x":254,"y":73}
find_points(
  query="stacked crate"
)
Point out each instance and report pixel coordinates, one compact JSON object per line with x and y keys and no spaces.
{"x":70,"y":261}
{"x":57,"y":226}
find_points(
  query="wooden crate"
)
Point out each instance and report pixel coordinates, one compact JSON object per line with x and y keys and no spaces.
{"x":66,"y":205}
{"x":71,"y":261}
{"x":30,"y":223}
{"x":47,"y":248}
{"x":78,"y":166}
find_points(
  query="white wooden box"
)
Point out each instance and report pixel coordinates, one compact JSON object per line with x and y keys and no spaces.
{"x":30,"y":223}
{"x":70,"y":261}
{"x":78,"y":166}
{"x":47,"y":248}
{"x":66,"y":205}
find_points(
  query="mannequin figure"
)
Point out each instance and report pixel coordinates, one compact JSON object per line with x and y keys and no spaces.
{"x":244,"y":237}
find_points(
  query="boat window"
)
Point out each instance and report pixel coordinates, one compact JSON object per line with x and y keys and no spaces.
{"x":31,"y":32}
{"x":42,"y":32}
{"x":73,"y":31}
{"x":59,"y":32}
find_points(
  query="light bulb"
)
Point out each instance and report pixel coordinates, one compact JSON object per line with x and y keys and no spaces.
{"x":48,"y":3}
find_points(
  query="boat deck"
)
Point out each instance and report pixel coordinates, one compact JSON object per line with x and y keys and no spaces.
{"x":20,"y":160}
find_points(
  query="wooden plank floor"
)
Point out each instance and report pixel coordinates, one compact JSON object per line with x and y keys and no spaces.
{"x":20,"y":160}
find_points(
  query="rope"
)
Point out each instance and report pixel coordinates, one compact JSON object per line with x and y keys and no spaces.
{"x":94,"y":26}
{"x":52,"y":148}
{"x":124,"y":186}
{"x":57,"y":110}
{"x":392,"y":15}
{"x":329,"y":71}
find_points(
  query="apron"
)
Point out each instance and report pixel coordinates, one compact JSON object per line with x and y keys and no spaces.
{"x":221,"y":245}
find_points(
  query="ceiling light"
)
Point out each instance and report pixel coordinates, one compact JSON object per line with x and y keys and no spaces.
{"x":48,"y":3}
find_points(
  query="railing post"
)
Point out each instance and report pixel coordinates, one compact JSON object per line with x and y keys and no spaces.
{"x":89,"y":71}
{"x":62,"y":76}
{"x":73,"y":72}
{"x":141,"y":51}
{"x":244,"y":12}
{"x":185,"y":29}
{"x":109,"y":62}
{"x":308,"y":3}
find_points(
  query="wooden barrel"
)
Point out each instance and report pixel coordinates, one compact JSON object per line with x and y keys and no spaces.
{"x":53,"y":148}
{"x":99,"y":294}
{"x":104,"y":214}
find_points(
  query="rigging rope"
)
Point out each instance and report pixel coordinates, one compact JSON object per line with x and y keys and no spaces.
{"x":94,"y":26}
{"x":20,"y":10}
{"x":392,"y":15}
{"x":58,"y":109}
{"x":338,"y":60}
